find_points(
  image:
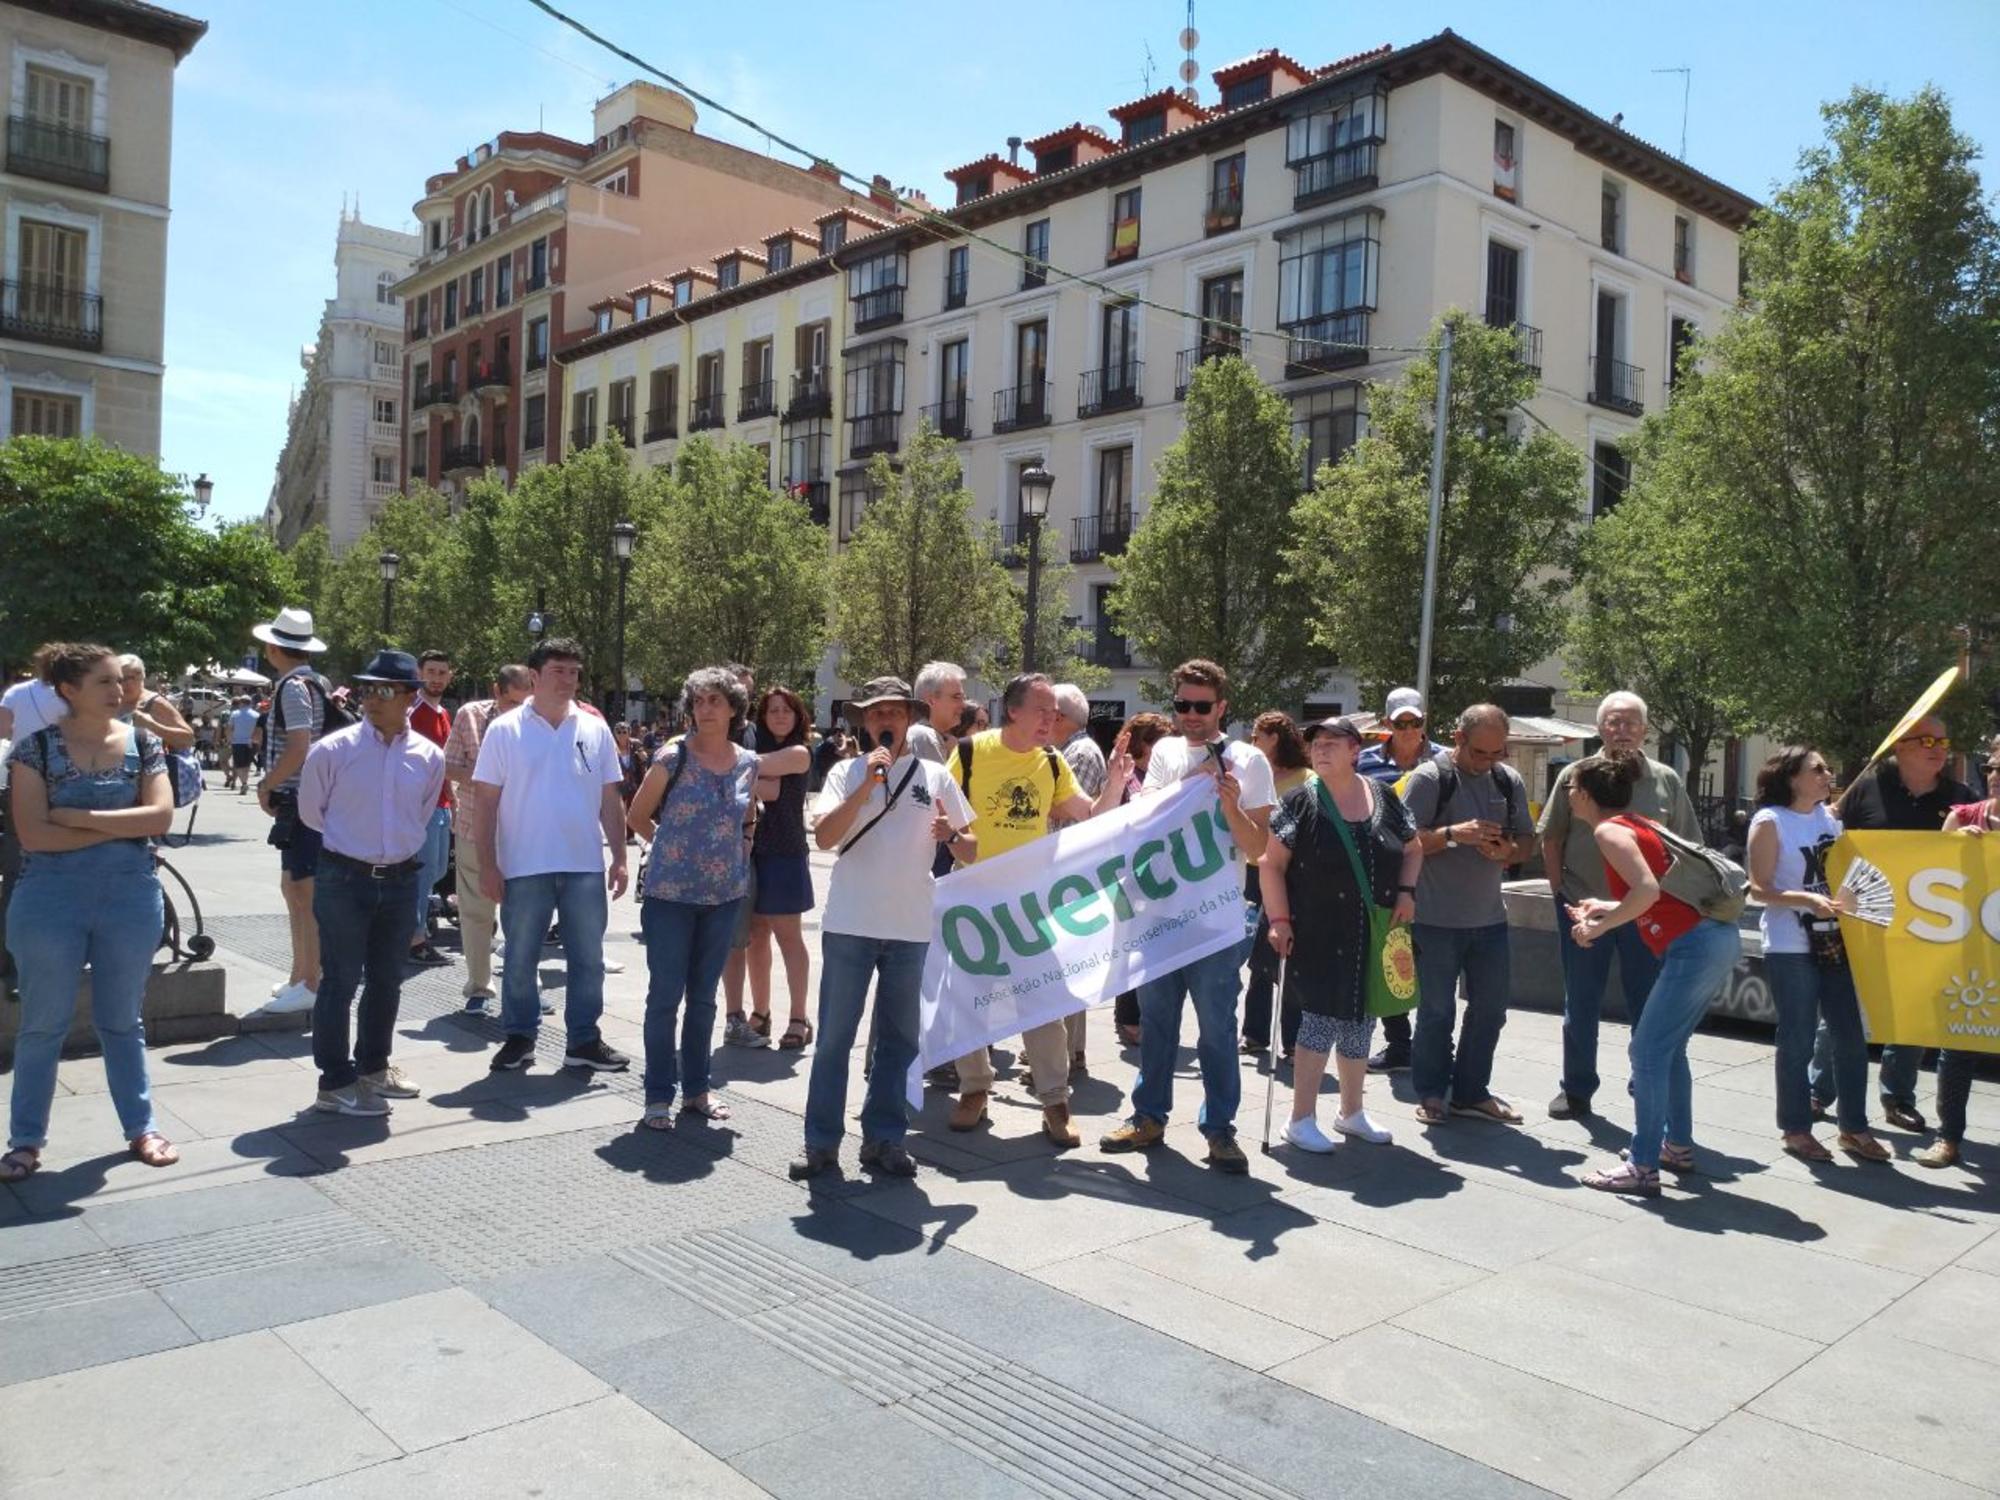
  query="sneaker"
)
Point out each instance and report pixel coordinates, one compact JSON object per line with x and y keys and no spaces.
{"x":1939,"y":1153}
{"x":281,"y":986}
{"x":614,"y":966}
{"x":888,"y":1158}
{"x":597,"y":1057}
{"x":1226,"y":1156}
{"x":355,"y":1099}
{"x":391,"y":1083}
{"x":1305,"y":1134}
{"x":547,"y":1005}
{"x":1137,"y":1134}
{"x":810,"y":1162}
{"x":1362,"y":1128}
{"x":738,"y":1032}
{"x":1568,"y":1107}
{"x":475,"y":1003}
{"x":1394,"y":1058}
{"x":292,"y":1000}
{"x":515,"y":1052}
{"x":427,"y":956}
{"x":499,"y":947}
{"x":1902,"y":1116}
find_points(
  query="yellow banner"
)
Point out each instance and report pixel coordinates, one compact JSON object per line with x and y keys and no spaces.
{"x":1924,"y":937}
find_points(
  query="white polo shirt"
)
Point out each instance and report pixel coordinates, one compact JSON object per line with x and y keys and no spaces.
{"x":882,"y":887}
{"x":551,"y":780}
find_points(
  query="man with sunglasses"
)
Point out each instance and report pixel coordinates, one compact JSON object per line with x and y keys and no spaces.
{"x":1246,"y":792}
{"x":368,"y":792}
{"x":1909,"y":792}
{"x":1388,"y":761}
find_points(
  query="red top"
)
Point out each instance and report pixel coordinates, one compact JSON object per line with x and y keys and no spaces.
{"x":1667,"y":918}
{"x":434,"y":724}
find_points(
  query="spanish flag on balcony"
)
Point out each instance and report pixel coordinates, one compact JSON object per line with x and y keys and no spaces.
{"x":1124,"y":239}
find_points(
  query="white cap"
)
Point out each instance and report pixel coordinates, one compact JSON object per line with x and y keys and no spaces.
{"x":1403,"y":701}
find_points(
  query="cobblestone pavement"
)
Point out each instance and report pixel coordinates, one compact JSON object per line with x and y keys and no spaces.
{"x":507,"y":1289}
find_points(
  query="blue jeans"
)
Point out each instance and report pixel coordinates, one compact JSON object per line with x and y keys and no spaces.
{"x":1806,"y":993}
{"x":686,"y":948}
{"x":1898,"y":1081}
{"x":435,"y":854}
{"x":1213,"y":983}
{"x":59,"y":921}
{"x":1443,"y":953}
{"x":527,"y":903}
{"x":1586,"y":972}
{"x":1692,"y":974}
{"x":846,"y":964}
{"x":364,"y":935}
{"x":1954,"y":1088}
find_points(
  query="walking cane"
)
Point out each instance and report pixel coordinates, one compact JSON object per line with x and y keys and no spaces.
{"x":1271,"y":1078}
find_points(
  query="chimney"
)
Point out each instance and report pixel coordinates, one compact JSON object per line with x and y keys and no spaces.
{"x":880,"y":193}
{"x":1014,"y":150}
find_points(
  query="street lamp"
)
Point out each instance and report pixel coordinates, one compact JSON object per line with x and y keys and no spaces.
{"x":622,"y":536}
{"x":1036,"y":482}
{"x":539,"y":620}
{"x":389,"y":563}
{"x":204,"y":491}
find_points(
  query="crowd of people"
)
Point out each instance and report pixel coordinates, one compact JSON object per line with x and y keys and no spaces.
{"x":1359,"y":844}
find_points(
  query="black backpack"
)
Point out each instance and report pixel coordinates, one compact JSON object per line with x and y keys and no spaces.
{"x":332,"y":715}
{"x":1448,"y":788}
{"x":965,"y":767}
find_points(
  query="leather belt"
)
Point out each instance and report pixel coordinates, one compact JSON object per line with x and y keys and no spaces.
{"x":374,"y":872}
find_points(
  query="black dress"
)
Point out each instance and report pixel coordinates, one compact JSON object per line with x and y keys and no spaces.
{"x":1330,"y":924}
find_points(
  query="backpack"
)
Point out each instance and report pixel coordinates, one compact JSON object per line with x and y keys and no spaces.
{"x":965,"y":767}
{"x":1714,"y":886}
{"x":183,"y":775}
{"x":1448,"y":788}
{"x":332,"y":715}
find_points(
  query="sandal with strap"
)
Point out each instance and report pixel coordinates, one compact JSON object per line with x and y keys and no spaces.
{"x":760,"y":1022}
{"x":1672,"y":1158}
{"x":1627,"y":1178}
{"x":20,"y":1164}
{"x":659,"y":1115}
{"x":155,"y":1150}
{"x":708,"y":1107}
{"x":797,"y":1034}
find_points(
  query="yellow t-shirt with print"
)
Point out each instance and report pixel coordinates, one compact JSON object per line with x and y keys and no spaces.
{"x":1011,"y":791}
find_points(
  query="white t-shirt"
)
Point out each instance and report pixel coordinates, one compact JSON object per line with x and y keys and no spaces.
{"x":1174,"y":760}
{"x":1802,"y":842}
{"x":551,"y":779}
{"x":882,"y":887}
{"x":34,"y":705}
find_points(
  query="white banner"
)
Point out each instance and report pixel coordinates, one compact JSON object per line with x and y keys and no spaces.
{"x":1076,"y":918}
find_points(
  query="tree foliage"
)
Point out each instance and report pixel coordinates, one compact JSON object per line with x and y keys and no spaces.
{"x":1204,"y":573}
{"x":1512,"y":497}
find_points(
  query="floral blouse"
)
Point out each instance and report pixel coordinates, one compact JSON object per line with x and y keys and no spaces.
{"x":700,"y":852}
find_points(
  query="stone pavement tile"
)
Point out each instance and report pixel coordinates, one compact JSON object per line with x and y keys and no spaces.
{"x":52,"y":1340}
{"x":840,"y":1242}
{"x":88,"y":1123}
{"x":428,"y":1370}
{"x":264,"y":1421}
{"x":1229,"y":1329}
{"x":728,"y":1389}
{"x":1919,"y":1227}
{"x":1918,"y":1405}
{"x":1734,"y":1050}
{"x":604,"y":1447}
{"x":71,"y":1178}
{"x":239,"y":1056}
{"x":1956,"y":1310}
{"x":1721,"y":1155}
{"x":1984,"y":1257}
{"x":1763,"y":1281}
{"x":1324,"y":1278}
{"x":1521,"y":1160}
{"x":1547,"y":1434}
{"x":10,"y":1206}
{"x":420,"y":1126}
{"x":1757,"y":1077}
{"x":1033,"y":1212}
{"x":903,"y":1458}
{"x":1747,"y":1455}
{"x":231,"y":1104}
{"x":1683,"y":1364}
{"x":146,"y":1220}
{"x":33,"y":1240}
{"x":592,"y":1307}
{"x":332,"y":1281}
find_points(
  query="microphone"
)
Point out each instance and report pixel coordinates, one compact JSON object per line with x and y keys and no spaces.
{"x":880,"y":773}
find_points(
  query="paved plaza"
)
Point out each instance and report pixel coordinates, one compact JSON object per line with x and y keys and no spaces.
{"x":509,"y":1289}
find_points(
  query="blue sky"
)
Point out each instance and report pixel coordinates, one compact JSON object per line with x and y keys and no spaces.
{"x":288,"y":105}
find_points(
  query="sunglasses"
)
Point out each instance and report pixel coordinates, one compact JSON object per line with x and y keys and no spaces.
{"x":1413,"y":721}
{"x":1194,"y":706}
{"x":1927,"y":741}
{"x":382,"y":689}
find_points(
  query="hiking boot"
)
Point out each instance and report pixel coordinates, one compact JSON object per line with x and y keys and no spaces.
{"x":888,"y":1158}
{"x":1136,"y":1134}
{"x":1226,"y":1156}
{"x":515,"y":1052}
{"x":969,"y":1112}
{"x":1057,"y":1127}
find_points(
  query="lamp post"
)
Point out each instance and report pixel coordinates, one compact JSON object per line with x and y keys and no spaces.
{"x":622,"y":537}
{"x":204,"y":491}
{"x":390,"y":563}
{"x":538,"y":618}
{"x":1036,"y":482}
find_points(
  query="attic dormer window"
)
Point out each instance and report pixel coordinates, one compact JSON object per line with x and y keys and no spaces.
{"x":1146,"y":127}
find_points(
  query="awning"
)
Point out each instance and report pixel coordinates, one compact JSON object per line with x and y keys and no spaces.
{"x":1560,"y":729}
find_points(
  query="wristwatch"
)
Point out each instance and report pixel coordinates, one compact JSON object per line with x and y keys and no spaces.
{"x":1408,"y":890}
{"x":1449,"y":841}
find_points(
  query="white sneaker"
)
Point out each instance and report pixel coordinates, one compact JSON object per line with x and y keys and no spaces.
{"x":355,"y":1099}
{"x":499,"y":946}
{"x":281,"y":986}
{"x":613,"y":966}
{"x":1307,"y":1136}
{"x":391,"y":1083}
{"x":292,"y":1000}
{"x":1362,"y":1128}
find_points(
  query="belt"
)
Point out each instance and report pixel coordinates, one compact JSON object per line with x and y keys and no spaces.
{"x":374,"y":872}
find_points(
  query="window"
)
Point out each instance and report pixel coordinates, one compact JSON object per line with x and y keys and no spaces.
{"x":601,"y":322}
{"x":59,"y":99}
{"x":538,"y":264}
{"x":956,"y":272}
{"x":1116,"y":382}
{"x":1610,"y":472}
{"x":618,"y":182}
{"x":1222,"y":311}
{"x":419,"y":378}
{"x":475,"y":292}
{"x":583,"y":419}
{"x":1681,"y":334}
{"x":1326,"y":290}
{"x":1035,"y":246}
{"x":1247,"y":91}
{"x":663,"y":401}
{"x":1114,"y":496}
{"x":727,"y":274}
{"x":1225,"y":193}
{"x":1031,"y":368}
{"x":1506,"y":162}
{"x":760,"y":386}
{"x":1683,"y":248}
{"x":618,"y":410}
{"x":420,"y":452}
{"x":538,"y":343}
{"x":856,"y":493}
{"x":52,"y":272}
{"x":642,"y":306}
{"x":1146,"y":127}
{"x":451,"y":374}
{"x":874,"y":397}
{"x":383,"y":466}
{"x":683,"y":291}
{"x":385,"y":352}
{"x":954,"y":383}
{"x":807,"y":455}
{"x":780,"y":256}
{"x":706,"y":411}
{"x":1332,"y":151}
{"x":832,"y":235}
{"x":1611,"y":217}
{"x":385,"y":410}
{"x":503,"y":281}
{"x":1107,"y":647}
{"x":1058,"y":159}
{"x":971,"y":188}
{"x":385,"y":289}
{"x":39,"y":414}
{"x":451,"y":304}
{"x":1328,"y":421}
{"x":485,"y":212}
{"x":1124,"y":225}
{"x":875,"y":288}
{"x":534,"y":425}
{"x":1613,"y":383}
{"x":1503,"y":285}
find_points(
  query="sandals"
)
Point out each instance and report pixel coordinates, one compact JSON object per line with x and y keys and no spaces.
{"x":659,"y":1116}
{"x":1432,"y":1112}
{"x":20,"y":1164}
{"x":1492,"y":1107}
{"x":760,"y":1023}
{"x":1672,"y":1158}
{"x":1806,"y":1148}
{"x":155,"y":1150}
{"x":708,"y":1107}
{"x":1628,"y":1179}
{"x":797,"y":1034}
{"x":1128,"y":1035}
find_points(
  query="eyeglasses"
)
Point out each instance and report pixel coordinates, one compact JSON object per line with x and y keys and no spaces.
{"x":1927,"y":741}
{"x":1415,"y":721}
{"x":1194,"y":706}
{"x":380,"y":689}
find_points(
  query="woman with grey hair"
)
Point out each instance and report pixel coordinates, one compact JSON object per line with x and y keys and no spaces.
{"x":152,"y":712}
{"x":696,"y":809}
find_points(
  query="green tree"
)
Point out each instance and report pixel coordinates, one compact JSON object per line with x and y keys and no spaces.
{"x":307,"y":563}
{"x":1847,"y":417}
{"x":1512,"y":495}
{"x":732,"y":571}
{"x":1204,"y":573}
{"x":918,"y":582}
{"x":416,"y":528}
{"x":1061,"y":642}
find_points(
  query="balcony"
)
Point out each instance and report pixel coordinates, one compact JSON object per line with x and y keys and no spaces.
{"x":1186,"y":361}
{"x":390,"y":433}
{"x":1317,"y":345}
{"x":1010,"y":547}
{"x":534,"y":439}
{"x":538,"y":359}
{"x":872,"y":434}
{"x":1225,"y":210}
{"x":436,"y":393}
{"x":812,"y":393}
{"x":660,"y":424}
{"x":705,"y":412}
{"x":1334,"y":174}
{"x":952,"y":418}
{"x":55,"y":153}
{"x":817,"y":497}
{"x":474,"y":306}
{"x":490,"y":375}
{"x":583,"y":435}
{"x":1092,"y":538}
{"x":954,"y":290}
{"x":1021,"y":406}
{"x":619,"y":428}
{"x":44,"y":312}
{"x":383,"y":374}
{"x":535,"y":282}
{"x":1616,"y":386}
{"x":1529,"y":340}
{"x":1113,"y":388}
{"x":420,"y":325}
{"x":878,"y":309}
{"x":420,"y":468}
{"x":758,"y":399}
{"x":1112,"y":651}
{"x":461,"y":458}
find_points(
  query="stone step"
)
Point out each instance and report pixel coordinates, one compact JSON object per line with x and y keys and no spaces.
{"x":184,"y":1003}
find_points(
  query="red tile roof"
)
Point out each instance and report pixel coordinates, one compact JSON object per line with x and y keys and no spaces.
{"x":988,"y":165}
{"x":855,"y":214}
{"x":1351,"y":61}
{"x":1070,"y":135}
{"x":1270,"y":60}
{"x":1153,"y":103}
